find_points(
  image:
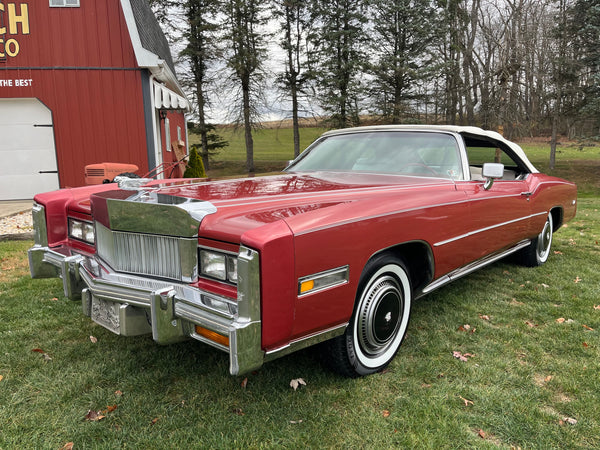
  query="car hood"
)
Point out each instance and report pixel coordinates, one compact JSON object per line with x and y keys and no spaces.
{"x":231,"y":207}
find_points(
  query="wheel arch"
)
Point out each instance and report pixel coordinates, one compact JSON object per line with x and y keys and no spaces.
{"x":557,"y":217}
{"x":418,"y":257}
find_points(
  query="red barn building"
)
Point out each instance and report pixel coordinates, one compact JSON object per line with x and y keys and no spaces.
{"x":83,"y":82}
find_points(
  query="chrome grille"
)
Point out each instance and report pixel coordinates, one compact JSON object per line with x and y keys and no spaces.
{"x":146,"y":254}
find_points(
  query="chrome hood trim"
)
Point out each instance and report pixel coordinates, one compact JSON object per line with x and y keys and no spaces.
{"x":153,"y":213}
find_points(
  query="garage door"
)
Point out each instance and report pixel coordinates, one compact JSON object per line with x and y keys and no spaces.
{"x":27,"y":154}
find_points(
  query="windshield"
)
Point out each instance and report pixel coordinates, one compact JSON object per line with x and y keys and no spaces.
{"x":388,"y":152}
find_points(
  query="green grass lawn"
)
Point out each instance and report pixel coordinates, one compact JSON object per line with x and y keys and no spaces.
{"x":530,"y":379}
{"x":533,"y":334}
{"x":273,"y":148}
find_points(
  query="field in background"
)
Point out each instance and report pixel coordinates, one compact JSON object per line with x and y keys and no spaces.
{"x":273,"y":148}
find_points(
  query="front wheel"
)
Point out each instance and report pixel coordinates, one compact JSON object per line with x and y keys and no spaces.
{"x":379,"y":321}
{"x":538,"y":251}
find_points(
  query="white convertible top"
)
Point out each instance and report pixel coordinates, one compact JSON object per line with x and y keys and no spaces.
{"x":470,"y":131}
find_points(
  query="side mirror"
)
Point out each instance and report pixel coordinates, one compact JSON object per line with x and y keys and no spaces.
{"x":490,"y":172}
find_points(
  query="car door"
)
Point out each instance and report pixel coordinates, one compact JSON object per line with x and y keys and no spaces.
{"x":499,"y":217}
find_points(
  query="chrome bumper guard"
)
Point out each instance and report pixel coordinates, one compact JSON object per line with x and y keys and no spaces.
{"x":170,"y":311}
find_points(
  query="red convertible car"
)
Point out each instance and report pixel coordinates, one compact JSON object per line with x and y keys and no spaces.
{"x":334,"y":249}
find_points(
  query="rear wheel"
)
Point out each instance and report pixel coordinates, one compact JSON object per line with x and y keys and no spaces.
{"x":538,"y":251}
{"x":379,"y":321}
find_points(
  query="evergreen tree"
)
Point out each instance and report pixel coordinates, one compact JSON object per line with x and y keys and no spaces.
{"x":585,"y":26}
{"x":401,"y":43}
{"x":195,"y":168}
{"x":244,"y":19}
{"x":338,"y":58}
{"x":293,"y":22}
{"x":202,"y":52}
{"x":214,"y":142}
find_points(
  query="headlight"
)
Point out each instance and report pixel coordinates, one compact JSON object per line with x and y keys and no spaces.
{"x":82,"y":231}
{"x":217,"y":265}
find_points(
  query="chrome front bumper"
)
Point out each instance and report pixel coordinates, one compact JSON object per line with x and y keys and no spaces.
{"x":170,"y":311}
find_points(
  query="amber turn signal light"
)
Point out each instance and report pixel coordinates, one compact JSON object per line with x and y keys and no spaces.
{"x":212,"y":336}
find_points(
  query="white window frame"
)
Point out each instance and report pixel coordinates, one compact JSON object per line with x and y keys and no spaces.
{"x":168,"y":134}
{"x":63,"y":3}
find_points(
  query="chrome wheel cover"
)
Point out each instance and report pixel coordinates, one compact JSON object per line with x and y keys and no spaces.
{"x":382,"y":316}
{"x":378,"y":319}
{"x":544,"y":240}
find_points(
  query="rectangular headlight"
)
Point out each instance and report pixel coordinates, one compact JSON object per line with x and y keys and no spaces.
{"x":218,"y":265}
{"x":82,"y":231}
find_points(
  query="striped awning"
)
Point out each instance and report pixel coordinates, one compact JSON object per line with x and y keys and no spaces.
{"x":165,"y":98}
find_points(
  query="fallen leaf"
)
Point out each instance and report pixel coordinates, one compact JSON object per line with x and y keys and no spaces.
{"x":597,"y":307}
{"x":54,"y":299}
{"x":1,"y":378}
{"x":531,"y":324}
{"x":570,"y":420}
{"x":238,"y":411}
{"x":464,"y":358}
{"x":484,"y":317}
{"x":67,"y":446}
{"x":385,"y":413}
{"x":557,"y":252}
{"x":464,"y":328}
{"x":93,"y":339}
{"x":545,"y":285}
{"x":514,"y":301}
{"x":153,"y":421}
{"x":585,"y":345}
{"x":482,"y":434}
{"x":548,"y":378}
{"x":560,"y":320}
{"x":577,"y":280}
{"x":297,"y":382}
{"x":425,"y":385}
{"x":295,"y":422}
{"x":94,"y":416}
{"x":466,"y":402}
{"x":244,"y":383}
{"x":587,"y":328}
{"x":110,"y":409}
{"x":43,"y":353}
{"x":118,"y":393}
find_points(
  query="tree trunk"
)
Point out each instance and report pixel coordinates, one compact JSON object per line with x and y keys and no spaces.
{"x":248,"y":126}
{"x":202,"y":126}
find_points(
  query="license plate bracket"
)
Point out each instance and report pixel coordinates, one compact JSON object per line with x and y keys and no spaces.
{"x":106,"y":313}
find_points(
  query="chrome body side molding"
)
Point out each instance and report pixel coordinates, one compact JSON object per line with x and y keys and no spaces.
{"x":465,"y":270}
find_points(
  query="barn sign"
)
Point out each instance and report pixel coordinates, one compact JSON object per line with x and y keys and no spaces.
{"x":14,"y":20}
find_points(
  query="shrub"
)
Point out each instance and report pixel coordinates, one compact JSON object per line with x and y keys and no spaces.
{"x":195,"y":168}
